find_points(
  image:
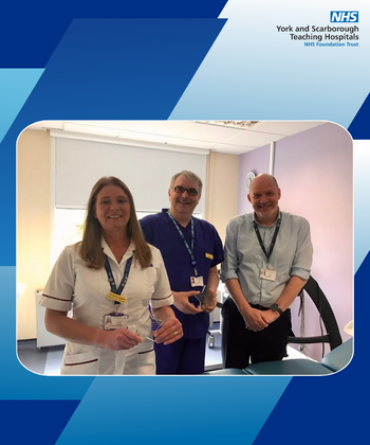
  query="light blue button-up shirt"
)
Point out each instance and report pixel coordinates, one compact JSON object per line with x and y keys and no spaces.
{"x":244,"y":258}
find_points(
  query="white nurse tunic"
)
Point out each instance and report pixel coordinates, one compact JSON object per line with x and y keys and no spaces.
{"x":72,"y":285}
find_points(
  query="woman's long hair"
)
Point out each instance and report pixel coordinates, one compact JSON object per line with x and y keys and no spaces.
{"x":90,"y":246}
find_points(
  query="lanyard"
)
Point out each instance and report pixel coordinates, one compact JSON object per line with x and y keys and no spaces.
{"x":273,"y":238}
{"x":111,"y":278}
{"x":192,"y":241}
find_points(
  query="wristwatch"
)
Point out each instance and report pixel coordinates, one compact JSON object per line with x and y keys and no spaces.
{"x":275,"y":307}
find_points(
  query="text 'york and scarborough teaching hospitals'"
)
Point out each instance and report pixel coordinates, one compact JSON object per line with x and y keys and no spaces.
{"x":323,"y":36}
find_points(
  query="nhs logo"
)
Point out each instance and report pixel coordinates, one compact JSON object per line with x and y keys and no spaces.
{"x":344,"y":16}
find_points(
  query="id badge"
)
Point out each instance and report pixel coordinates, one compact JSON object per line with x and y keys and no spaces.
{"x":115,"y":321}
{"x":196,"y":281}
{"x":268,"y":274}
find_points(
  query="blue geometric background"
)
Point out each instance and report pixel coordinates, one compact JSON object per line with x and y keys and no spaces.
{"x":134,"y":60}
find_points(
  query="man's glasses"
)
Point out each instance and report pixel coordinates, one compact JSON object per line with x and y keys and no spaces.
{"x":180,"y":190}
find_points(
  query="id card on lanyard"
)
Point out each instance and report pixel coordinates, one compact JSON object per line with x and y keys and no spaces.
{"x":115,"y":319}
{"x":195,"y":280}
{"x":266,"y":273}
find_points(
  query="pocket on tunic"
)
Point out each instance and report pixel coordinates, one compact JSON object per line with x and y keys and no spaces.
{"x":147,"y":352}
{"x":85,"y":363}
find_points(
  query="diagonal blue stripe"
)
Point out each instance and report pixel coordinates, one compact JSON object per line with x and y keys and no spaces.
{"x":122,"y":69}
{"x":175,"y":410}
{"x":34,"y":421}
{"x":44,"y":27}
{"x":360,"y":128}
{"x":15,"y":87}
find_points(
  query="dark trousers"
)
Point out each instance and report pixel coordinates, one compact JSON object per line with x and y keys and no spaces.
{"x":240,"y":345}
{"x":184,"y":357}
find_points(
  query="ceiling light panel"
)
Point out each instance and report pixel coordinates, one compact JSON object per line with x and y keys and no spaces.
{"x":233,"y":124}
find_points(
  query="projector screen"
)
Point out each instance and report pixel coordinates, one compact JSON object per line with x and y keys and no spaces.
{"x":79,"y":164}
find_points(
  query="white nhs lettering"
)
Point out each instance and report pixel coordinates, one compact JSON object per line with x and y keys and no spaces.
{"x":344,"y":16}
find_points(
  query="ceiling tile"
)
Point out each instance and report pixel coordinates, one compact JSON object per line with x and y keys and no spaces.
{"x":192,"y":134}
{"x":208,"y":132}
{"x":145,"y":137}
{"x":254,"y":138}
{"x":190,"y":143}
{"x":231,"y":149}
{"x":163,"y":128}
{"x":287,"y":128}
{"x":87,"y":128}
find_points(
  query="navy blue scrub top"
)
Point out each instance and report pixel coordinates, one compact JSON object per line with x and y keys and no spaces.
{"x":160,"y":231}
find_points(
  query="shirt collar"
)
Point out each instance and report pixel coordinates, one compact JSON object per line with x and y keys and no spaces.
{"x":264,"y":227}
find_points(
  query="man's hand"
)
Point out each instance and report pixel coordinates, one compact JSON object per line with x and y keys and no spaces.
{"x":254,"y":320}
{"x":182,"y":302}
{"x":270,"y":316}
{"x":210,"y":301}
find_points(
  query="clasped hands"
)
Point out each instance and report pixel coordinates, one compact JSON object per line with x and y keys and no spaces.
{"x":257,"y":320}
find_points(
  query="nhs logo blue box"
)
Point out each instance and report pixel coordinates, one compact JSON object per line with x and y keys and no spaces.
{"x":344,"y":16}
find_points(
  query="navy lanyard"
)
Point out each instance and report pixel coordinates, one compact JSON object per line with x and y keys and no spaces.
{"x":273,"y":238}
{"x":192,"y":241}
{"x":112,"y":283}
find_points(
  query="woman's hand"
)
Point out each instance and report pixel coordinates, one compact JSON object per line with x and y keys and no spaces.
{"x":119,"y":339}
{"x":170,"y":332}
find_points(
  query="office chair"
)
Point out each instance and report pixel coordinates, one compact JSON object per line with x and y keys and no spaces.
{"x":327,"y":315}
{"x":334,"y":361}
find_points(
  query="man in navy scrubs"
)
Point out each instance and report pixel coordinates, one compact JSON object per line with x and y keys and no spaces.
{"x":191,"y":249}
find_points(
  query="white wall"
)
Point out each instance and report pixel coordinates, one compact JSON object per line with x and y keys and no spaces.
{"x":34,"y":214}
{"x":33,"y":224}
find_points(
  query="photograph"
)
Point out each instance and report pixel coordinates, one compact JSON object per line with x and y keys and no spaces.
{"x":193,"y":189}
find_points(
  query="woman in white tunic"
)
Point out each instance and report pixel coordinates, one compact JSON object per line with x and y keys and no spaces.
{"x":110,"y":280}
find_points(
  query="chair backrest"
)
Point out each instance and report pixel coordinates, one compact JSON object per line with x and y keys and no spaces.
{"x":327,"y":315}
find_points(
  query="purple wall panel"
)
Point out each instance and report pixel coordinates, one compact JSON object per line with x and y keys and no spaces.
{"x":256,"y":161}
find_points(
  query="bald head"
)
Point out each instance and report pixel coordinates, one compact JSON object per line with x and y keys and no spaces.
{"x":264,"y":177}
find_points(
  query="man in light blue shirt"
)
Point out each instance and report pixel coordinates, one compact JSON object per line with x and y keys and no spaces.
{"x":268,"y":257}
